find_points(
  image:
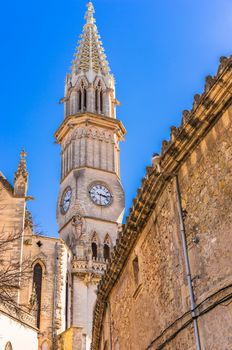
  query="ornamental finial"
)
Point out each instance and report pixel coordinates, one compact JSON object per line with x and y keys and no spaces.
{"x":89,"y":13}
{"x":23,"y":154}
{"x":22,"y":167}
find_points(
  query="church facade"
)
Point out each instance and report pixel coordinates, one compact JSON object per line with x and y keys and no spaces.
{"x":60,"y":292}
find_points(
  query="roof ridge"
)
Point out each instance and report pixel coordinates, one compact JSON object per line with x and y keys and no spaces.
{"x":6,"y":183}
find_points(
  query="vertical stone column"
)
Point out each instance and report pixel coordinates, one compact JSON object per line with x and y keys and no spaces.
{"x":90,"y":158}
{"x":91,"y":99}
{"x":107,"y":102}
{"x":77,"y":152}
{"x":67,"y":108}
{"x":118,"y":158}
{"x":112,"y":155}
{"x":62,"y":165}
{"x":74,"y":102}
{"x":73,"y":143}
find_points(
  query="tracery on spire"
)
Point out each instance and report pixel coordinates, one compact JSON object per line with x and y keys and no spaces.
{"x":90,"y":52}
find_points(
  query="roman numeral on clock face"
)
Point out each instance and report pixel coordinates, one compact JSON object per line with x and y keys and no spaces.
{"x":100,"y":195}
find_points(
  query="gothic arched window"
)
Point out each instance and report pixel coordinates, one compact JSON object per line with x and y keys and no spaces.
{"x":106,"y":251}
{"x":8,"y":346}
{"x":106,"y":247}
{"x":96,"y":100}
{"x":37,"y":284}
{"x":79,"y":100}
{"x":94,"y":250}
{"x":85,"y":99}
{"x":99,"y":98}
{"x":101,"y":101}
{"x":82,"y":97}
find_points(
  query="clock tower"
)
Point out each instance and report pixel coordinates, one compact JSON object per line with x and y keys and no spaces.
{"x":90,"y":205}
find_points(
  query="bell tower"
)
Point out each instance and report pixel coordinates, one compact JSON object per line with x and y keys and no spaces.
{"x":90,"y":204}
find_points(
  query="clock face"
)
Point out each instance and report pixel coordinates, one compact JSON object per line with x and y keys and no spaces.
{"x":66,"y":200}
{"x":100,"y":195}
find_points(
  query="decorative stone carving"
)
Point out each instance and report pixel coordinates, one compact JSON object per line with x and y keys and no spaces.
{"x":101,"y":81}
{"x":164,"y":146}
{"x":185,"y":116}
{"x":75,"y":237}
{"x":209,"y":81}
{"x":173,"y":133}
{"x":223,"y":62}
{"x":77,"y":223}
{"x":197,"y":99}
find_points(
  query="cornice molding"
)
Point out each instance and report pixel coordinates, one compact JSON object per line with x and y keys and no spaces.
{"x":88,"y":119}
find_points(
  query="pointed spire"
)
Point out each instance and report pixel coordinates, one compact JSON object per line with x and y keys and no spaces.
{"x":89,"y":14}
{"x":90,"y":52}
{"x":22,"y":167}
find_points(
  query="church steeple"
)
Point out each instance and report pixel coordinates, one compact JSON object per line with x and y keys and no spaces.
{"x":90,"y":54}
{"x":90,"y":205}
{"x":90,"y":87}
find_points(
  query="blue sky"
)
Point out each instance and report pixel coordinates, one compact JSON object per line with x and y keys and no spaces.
{"x":159,"y":51}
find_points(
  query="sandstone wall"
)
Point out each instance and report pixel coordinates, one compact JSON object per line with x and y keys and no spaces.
{"x":12,"y":219}
{"x":55,"y":260}
{"x":149,"y":309}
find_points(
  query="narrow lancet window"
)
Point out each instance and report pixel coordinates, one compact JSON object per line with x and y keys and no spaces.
{"x":37,"y":284}
{"x":99,"y":98}
{"x":79,"y":100}
{"x":106,"y":251}
{"x":85,"y":99}
{"x":94,"y":250}
{"x":96,"y":101}
{"x":101,"y":102}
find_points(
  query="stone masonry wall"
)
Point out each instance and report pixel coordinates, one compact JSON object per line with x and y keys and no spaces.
{"x":12,"y":216}
{"x":207,"y":198}
{"x":149,"y":309}
{"x":54,"y":257}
